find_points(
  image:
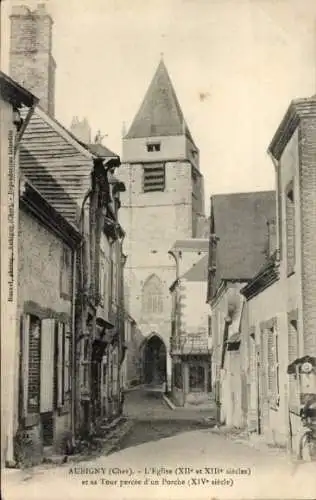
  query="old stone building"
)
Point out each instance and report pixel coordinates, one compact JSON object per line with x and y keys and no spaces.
{"x":190,"y":343}
{"x":77,"y":181}
{"x":164,"y":202}
{"x":44,"y":409}
{"x":14,"y":100}
{"x":239,"y":247}
{"x":262,"y":292}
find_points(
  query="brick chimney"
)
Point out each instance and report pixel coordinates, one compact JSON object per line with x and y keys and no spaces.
{"x":31,"y":61}
{"x":81,"y":129}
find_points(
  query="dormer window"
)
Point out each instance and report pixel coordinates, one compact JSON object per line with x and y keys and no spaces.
{"x":153,"y":147}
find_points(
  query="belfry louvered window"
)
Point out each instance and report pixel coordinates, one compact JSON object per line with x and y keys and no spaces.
{"x":154,"y":177}
{"x":273,"y":365}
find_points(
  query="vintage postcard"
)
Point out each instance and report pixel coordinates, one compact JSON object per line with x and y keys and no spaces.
{"x":158,"y":249}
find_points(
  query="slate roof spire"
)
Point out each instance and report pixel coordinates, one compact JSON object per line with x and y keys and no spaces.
{"x":160,"y":113}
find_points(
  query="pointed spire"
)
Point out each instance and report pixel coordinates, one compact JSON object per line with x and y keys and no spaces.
{"x":160,"y":112}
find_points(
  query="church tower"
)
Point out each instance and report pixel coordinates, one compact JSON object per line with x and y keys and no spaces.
{"x":164,"y":202}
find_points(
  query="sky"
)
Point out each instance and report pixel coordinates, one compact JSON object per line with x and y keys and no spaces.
{"x":235,"y":66}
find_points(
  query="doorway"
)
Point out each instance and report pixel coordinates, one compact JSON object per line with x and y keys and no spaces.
{"x":155,"y":368}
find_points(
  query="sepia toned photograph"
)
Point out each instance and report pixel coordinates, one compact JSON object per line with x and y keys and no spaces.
{"x":158,"y":249}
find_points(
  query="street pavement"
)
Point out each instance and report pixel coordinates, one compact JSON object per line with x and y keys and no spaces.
{"x":142,"y":404}
{"x":160,"y":462}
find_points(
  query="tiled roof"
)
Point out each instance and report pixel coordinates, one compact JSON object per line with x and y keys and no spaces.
{"x":191,"y":244}
{"x":240,"y":221}
{"x":58,"y":165}
{"x":45,"y":211}
{"x":160,"y":113}
{"x":48,"y":187}
{"x":198,"y":272}
{"x":100,"y":150}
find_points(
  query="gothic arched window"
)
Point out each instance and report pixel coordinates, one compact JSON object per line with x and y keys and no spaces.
{"x":152,"y":295}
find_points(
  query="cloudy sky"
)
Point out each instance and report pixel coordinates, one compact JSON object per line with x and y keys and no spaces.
{"x":235,"y":65}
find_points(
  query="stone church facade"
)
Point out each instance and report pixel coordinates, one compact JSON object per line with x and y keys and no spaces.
{"x":164,"y":201}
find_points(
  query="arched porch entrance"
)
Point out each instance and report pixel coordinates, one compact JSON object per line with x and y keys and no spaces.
{"x":154,"y":361}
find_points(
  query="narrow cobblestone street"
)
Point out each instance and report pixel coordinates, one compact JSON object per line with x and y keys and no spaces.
{"x":141,"y":404}
{"x":174,"y":450}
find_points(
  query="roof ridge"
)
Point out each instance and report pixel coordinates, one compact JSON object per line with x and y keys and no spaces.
{"x":160,"y":112}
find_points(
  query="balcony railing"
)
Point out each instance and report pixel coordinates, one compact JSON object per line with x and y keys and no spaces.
{"x":190,"y":344}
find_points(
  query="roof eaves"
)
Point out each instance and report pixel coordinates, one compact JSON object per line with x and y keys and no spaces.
{"x":32,"y":199}
{"x":16,"y":94}
{"x":298,"y":108}
{"x":266,"y":277}
{"x":284,"y":132}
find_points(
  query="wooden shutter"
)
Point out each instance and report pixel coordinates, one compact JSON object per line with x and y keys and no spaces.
{"x":277,"y":361}
{"x":271,"y":360}
{"x":264,"y":401}
{"x":25,"y":320}
{"x":67,"y":347}
{"x":60,"y":364}
{"x":34,"y":369}
{"x":47,"y":366}
{"x":293,"y":353}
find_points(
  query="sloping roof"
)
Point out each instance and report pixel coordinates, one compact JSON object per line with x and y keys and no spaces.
{"x":100,"y":150}
{"x":198,"y":272}
{"x":14,"y":93}
{"x":191,"y":244}
{"x":160,"y":113}
{"x":33,"y":201}
{"x":240,"y":221}
{"x":58,"y":165}
{"x":48,"y":187}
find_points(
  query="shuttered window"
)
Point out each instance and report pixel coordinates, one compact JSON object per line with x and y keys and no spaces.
{"x":290,"y":228}
{"x":115,"y":372}
{"x":264,"y":363}
{"x":293,"y":354}
{"x":62,"y":368}
{"x":34,"y":365}
{"x":47,"y":365}
{"x":154,"y":177}
{"x":273,"y":365}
